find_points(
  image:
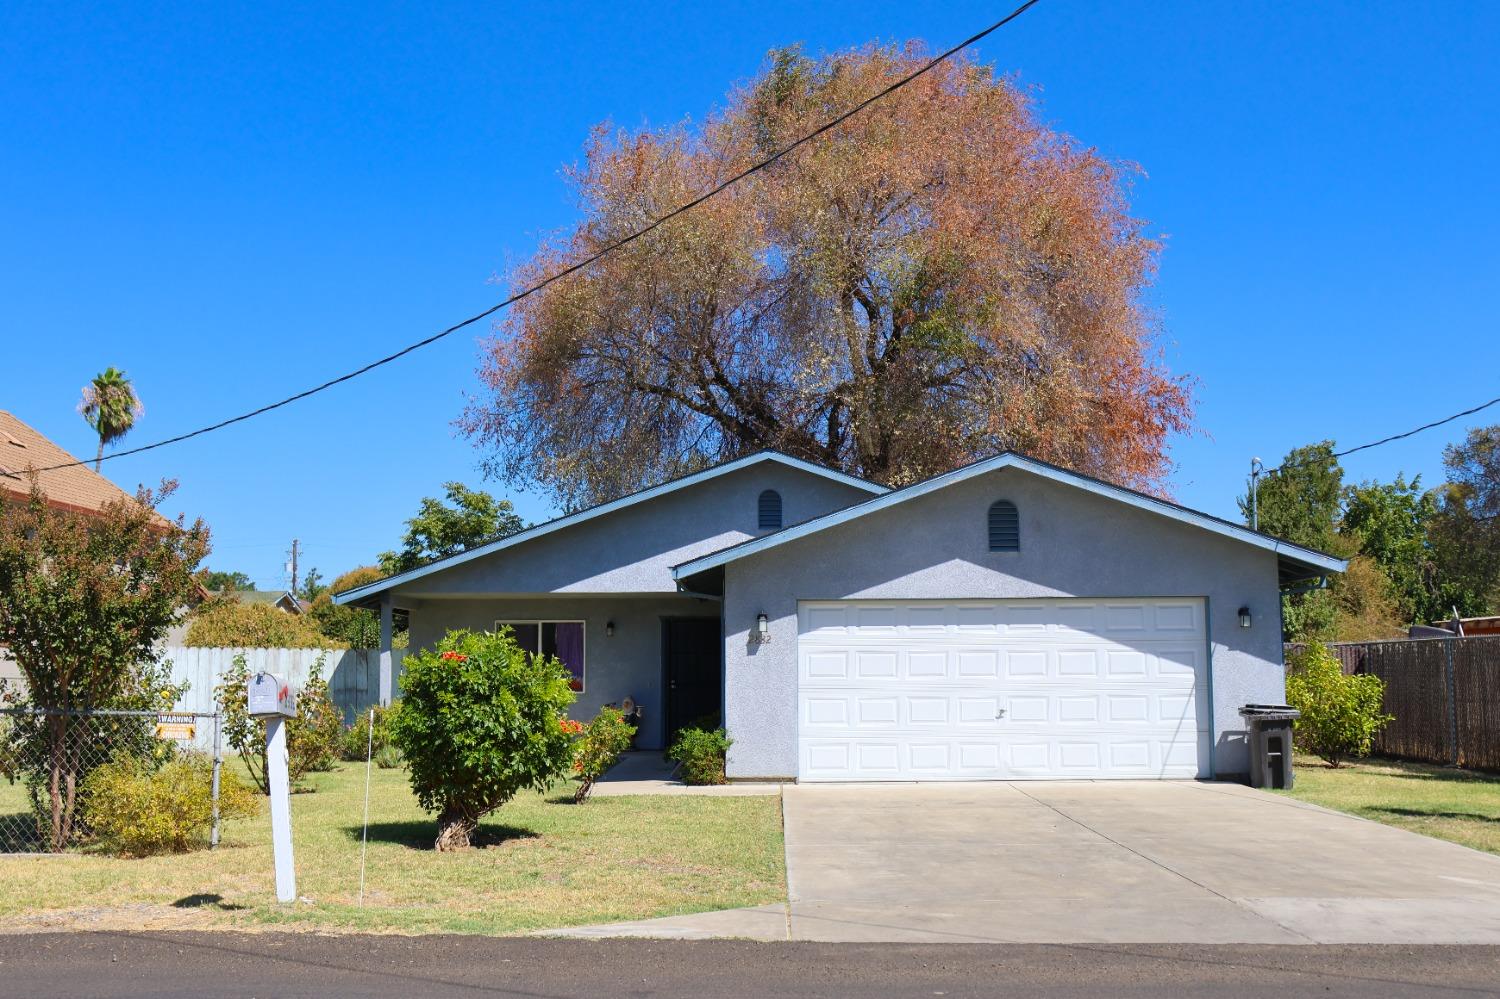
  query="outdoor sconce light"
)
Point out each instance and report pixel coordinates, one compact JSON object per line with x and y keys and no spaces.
{"x":609,"y":628}
{"x":762,"y":627}
{"x":1244,"y":617}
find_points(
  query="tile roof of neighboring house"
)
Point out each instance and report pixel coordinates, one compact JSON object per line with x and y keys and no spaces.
{"x":77,"y":488}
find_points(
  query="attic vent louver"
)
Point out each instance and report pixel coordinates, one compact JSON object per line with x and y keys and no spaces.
{"x":1005,"y":527}
{"x":769,"y":510}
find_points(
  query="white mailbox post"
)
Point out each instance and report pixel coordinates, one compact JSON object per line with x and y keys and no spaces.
{"x":271,"y":697}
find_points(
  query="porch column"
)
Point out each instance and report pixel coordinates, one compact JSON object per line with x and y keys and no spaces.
{"x":387,"y":677}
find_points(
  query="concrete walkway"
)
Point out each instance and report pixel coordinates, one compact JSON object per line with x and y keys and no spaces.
{"x":645,"y":772}
{"x":1105,"y":862}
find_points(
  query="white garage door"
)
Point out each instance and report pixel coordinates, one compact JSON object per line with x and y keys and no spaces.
{"x":999,"y":690}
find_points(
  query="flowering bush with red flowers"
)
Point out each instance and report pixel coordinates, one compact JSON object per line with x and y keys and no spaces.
{"x":481,"y":719}
{"x":598,"y":748}
{"x":570,"y":726}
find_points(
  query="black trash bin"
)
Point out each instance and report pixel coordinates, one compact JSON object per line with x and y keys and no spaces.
{"x":1270,"y":736}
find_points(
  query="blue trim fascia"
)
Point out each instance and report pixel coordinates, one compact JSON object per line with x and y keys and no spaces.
{"x":390,"y":582}
{"x":1008,"y":460}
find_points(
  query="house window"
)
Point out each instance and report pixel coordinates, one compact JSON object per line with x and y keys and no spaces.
{"x":769,"y":509}
{"x":1005,"y":527}
{"x":563,"y":639}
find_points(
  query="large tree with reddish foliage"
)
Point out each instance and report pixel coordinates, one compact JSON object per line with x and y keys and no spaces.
{"x":940,"y":278}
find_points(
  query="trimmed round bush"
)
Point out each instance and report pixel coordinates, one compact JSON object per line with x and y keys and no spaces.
{"x":481,"y":720}
{"x":701,"y":754}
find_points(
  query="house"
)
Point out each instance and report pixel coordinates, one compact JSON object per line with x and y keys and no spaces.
{"x":1007,"y":619}
{"x":77,"y":488}
{"x":283,"y":600}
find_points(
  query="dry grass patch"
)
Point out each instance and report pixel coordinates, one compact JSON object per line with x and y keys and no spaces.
{"x":541,"y":862}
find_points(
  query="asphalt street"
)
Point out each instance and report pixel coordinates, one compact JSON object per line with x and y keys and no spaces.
{"x":276,"y":965}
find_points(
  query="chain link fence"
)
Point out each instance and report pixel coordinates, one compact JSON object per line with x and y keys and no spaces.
{"x":47,"y":757}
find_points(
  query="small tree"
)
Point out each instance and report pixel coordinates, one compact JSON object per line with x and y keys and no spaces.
{"x":481,"y":720}
{"x":599,"y":746}
{"x":312,"y":738}
{"x":470,"y":517}
{"x":1340,"y":712}
{"x":85,"y":602}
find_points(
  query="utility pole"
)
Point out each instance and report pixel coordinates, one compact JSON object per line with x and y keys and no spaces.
{"x":292,"y":566}
{"x":1256,"y":470}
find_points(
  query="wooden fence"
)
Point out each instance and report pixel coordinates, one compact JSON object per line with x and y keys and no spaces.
{"x":353,"y":675}
{"x":1444,"y":694}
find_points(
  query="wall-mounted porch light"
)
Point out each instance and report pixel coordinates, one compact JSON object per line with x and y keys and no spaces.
{"x":1244,"y":617}
{"x":609,"y":628}
{"x":762,"y":627}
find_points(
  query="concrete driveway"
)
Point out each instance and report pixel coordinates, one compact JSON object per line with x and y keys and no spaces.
{"x":1109,"y":862}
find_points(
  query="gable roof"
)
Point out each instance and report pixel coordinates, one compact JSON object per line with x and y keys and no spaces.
{"x":284,"y":599}
{"x":370,"y":589}
{"x":78,"y":488}
{"x":1295,"y":561}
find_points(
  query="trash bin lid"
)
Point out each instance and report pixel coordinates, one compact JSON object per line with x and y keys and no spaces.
{"x":1270,"y":712}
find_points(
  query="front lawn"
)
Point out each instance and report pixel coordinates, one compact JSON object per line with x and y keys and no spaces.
{"x":1445,"y":802}
{"x":541,"y":862}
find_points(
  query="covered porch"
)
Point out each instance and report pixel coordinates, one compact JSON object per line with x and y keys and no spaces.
{"x":662,"y":651}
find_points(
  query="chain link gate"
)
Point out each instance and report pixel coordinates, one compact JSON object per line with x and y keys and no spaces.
{"x":47,"y":755}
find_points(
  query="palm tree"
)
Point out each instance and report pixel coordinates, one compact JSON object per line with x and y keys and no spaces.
{"x":111,"y":407}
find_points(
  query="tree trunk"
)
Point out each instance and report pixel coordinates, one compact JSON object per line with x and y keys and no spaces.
{"x":455,"y":829}
{"x":57,"y":737}
{"x":99,"y":455}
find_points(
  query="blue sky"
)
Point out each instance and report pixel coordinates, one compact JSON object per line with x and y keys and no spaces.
{"x":236,"y":201}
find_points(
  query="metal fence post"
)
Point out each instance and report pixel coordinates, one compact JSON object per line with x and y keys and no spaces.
{"x":1452,"y":701}
{"x":213,"y":837}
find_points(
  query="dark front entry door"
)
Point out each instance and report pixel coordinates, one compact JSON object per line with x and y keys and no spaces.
{"x":694,"y":657}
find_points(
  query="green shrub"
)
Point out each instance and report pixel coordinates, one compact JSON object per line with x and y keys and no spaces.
{"x":313,"y":737}
{"x":317,"y":732}
{"x":701,"y":753}
{"x":389,"y":758}
{"x":137,"y":811}
{"x":356,"y":739}
{"x":480,"y":720}
{"x":1340,"y":712}
{"x":598,"y":748}
{"x":226,"y":623}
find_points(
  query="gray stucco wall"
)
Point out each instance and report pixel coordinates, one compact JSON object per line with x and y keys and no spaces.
{"x":617,"y":567}
{"x":1073,"y":543}
{"x":633,"y":550}
{"x":627,"y":663}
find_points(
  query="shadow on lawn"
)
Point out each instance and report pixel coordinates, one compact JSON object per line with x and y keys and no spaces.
{"x":1422,"y":813}
{"x":421,"y":835}
{"x":206,"y":900}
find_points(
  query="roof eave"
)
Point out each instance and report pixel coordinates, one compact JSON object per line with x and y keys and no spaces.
{"x":360,"y":595}
{"x":1285,"y":549}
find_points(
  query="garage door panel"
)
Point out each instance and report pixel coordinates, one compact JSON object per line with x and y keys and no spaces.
{"x":873,"y":664}
{"x":960,"y":690}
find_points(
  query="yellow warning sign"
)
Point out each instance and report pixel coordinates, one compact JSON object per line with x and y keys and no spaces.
{"x":168,"y":727}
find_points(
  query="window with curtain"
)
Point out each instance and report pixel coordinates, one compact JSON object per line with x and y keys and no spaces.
{"x":563,"y":639}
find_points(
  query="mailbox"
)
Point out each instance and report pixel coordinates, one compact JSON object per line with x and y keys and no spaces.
{"x":271,"y":696}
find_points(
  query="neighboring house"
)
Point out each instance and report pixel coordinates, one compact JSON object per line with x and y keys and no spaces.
{"x":1007,"y":619}
{"x":283,"y":600}
{"x":78,"y":488}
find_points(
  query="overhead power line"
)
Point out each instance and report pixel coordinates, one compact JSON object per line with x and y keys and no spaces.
{"x":1387,"y":440}
{"x":587,"y":261}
